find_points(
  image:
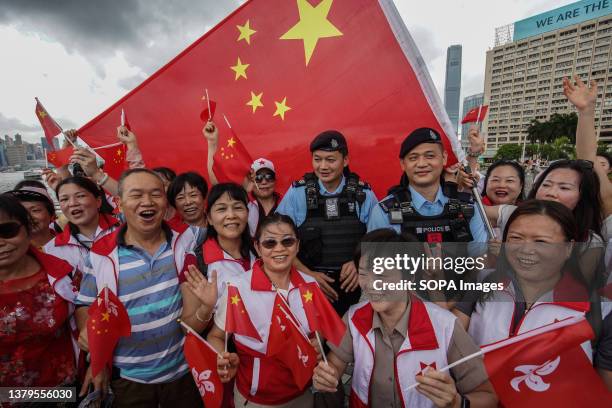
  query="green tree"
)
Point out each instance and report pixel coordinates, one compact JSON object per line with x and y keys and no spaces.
{"x":558,"y":125}
{"x":511,"y":151}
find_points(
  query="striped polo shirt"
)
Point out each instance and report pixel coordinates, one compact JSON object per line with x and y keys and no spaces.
{"x":149,"y":289}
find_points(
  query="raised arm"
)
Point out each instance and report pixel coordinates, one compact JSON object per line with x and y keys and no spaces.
{"x":133,"y":155}
{"x":211,"y":133}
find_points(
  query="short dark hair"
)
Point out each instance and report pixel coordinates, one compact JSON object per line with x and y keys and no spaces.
{"x":275,"y":218}
{"x":12,"y":208}
{"x":91,"y":187}
{"x":167,"y":172}
{"x":29,"y":183}
{"x":178,"y":184}
{"x":130,"y":172}
{"x":606,"y":156}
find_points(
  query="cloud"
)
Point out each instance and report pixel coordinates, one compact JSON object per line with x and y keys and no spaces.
{"x":147,"y":32}
{"x":31,"y":133}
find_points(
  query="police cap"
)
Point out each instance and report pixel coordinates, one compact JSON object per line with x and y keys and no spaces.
{"x":421,"y":135}
{"x":330,"y":141}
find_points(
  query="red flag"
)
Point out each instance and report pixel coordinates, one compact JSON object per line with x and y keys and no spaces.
{"x":320,"y":314}
{"x":290,"y":345}
{"x":49,"y":125}
{"x":205,"y":115}
{"x":472,"y":116}
{"x":60,"y":157}
{"x":237,"y":319}
{"x":124,"y":121}
{"x":283,"y":72}
{"x":202,"y":359}
{"x":232,"y":161}
{"x":114,"y":159}
{"x":108,"y":320}
{"x":546,"y":367}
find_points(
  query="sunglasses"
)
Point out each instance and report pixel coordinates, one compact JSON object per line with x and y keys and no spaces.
{"x":9,"y":230}
{"x":266,"y":176}
{"x":286,"y":242}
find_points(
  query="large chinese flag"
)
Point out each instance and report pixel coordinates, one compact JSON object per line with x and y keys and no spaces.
{"x":108,"y":320}
{"x":283,"y":71}
{"x":202,"y":359}
{"x":546,"y":368}
{"x":320,"y":313}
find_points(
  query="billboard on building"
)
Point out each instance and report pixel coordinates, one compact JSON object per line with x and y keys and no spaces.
{"x":571,"y":14}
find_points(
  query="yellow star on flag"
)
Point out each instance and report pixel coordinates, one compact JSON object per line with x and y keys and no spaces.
{"x":105,"y":317}
{"x":281,"y":108}
{"x":245,"y":32}
{"x":235,"y":299}
{"x":255,"y":101}
{"x":312,"y":26}
{"x":42,"y":114}
{"x":240,"y":69}
{"x":307,"y":296}
{"x":231,"y":142}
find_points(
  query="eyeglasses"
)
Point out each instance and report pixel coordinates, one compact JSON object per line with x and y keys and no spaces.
{"x":9,"y":230}
{"x":266,"y":176}
{"x":285,"y":242}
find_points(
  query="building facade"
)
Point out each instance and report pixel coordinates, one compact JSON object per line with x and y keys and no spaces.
{"x":452,"y":84}
{"x":16,"y":155}
{"x":523,"y":78}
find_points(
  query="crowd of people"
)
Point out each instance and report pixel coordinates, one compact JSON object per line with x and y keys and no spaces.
{"x":169,"y":246}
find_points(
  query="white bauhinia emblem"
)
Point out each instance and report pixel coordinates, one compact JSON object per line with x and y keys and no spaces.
{"x":303,"y":357}
{"x":280,"y":323}
{"x":533,"y":375}
{"x":204,"y":386}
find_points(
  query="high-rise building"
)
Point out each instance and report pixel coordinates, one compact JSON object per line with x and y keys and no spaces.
{"x":452,"y":84}
{"x":44,"y":144}
{"x":16,"y":155}
{"x":469,"y":102}
{"x":18,"y":140}
{"x":8,"y":140}
{"x":524,"y":71}
{"x":3,"y":159}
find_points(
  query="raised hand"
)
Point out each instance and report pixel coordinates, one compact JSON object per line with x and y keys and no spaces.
{"x":205,"y":291}
{"x":211,"y":132}
{"x":583,"y":97}
{"x":87,"y":159}
{"x":126,"y":136}
{"x":477,"y":143}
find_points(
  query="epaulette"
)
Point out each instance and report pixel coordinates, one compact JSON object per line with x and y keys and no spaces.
{"x":299,"y":183}
{"x":364,"y":185}
{"x":388,"y":203}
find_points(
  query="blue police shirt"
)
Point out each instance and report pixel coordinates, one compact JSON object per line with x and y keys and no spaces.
{"x":380,"y":219}
{"x":293,"y":203}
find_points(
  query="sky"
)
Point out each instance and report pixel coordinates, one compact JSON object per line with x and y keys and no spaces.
{"x":79,"y":57}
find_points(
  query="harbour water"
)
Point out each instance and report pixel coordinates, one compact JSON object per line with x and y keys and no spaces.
{"x":8,"y":180}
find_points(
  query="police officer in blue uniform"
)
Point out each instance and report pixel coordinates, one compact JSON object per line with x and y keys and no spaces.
{"x":419,"y":205}
{"x":331,"y":207}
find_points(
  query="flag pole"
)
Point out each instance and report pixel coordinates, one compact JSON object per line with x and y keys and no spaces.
{"x":46,"y":159}
{"x":321,"y":347}
{"x":208,"y":103}
{"x":456,"y":363}
{"x":195,"y":333}
{"x":478,"y":118}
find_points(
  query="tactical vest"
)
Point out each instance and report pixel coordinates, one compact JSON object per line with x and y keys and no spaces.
{"x":332,"y":229}
{"x":451,"y":225}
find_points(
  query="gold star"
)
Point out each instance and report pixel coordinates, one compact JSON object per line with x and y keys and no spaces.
{"x":245,"y":32}
{"x":281,"y":108}
{"x":42,"y":114}
{"x":231,"y":142}
{"x":235,"y":299}
{"x":105,"y":317}
{"x":255,"y":101}
{"x":240,"y":69}
{"x":307,"y":296}
{"x":312,"y":26}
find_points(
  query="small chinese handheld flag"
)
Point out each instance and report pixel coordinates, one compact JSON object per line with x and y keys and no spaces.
{"x":108,"y":320}
{"x":476,"y":114}
{"x":288,"y":344}
{"x":237,"y":319}
{"x":60,"y":157}
{"x":124,"y":121}
{"x":114,"y":159}
{"x":320,"y":314}
{"x":232,"y":161}
{"x":207,"y":115}
{"x":546,"y":367}
{"x":49,"y":125}
{"x":202,"y":359}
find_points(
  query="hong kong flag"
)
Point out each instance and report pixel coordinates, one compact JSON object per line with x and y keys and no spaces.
{"x":202,"y":359}
{"x":108,"y":320}
{"x":283,"y":71}
{"x":320,"y":314}
{"x":476,"y":114}
{"x":546,"y":367}
{"x":287,"y":342}
{"x":237,"y":319}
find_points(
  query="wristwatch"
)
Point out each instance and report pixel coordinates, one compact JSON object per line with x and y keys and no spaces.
{"x":465,"y":402}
